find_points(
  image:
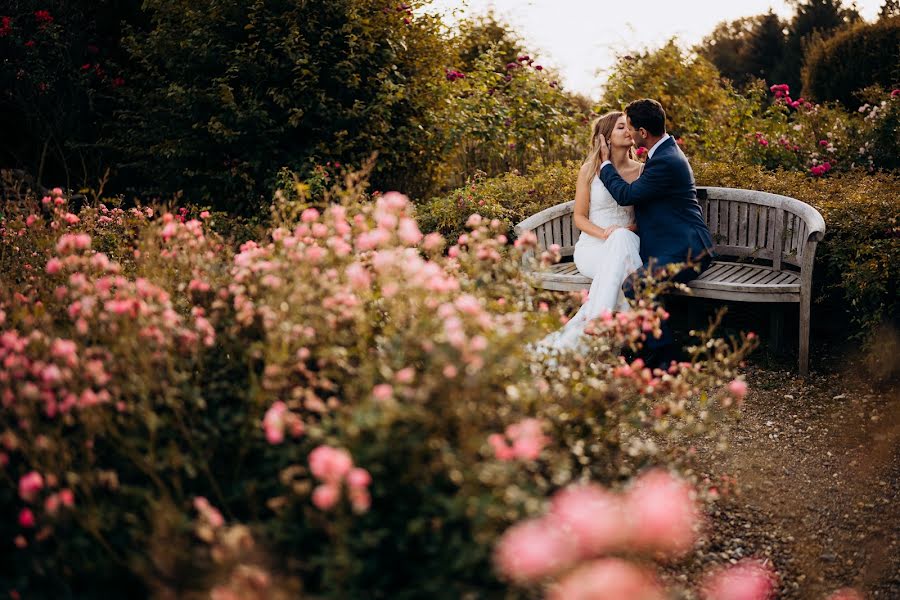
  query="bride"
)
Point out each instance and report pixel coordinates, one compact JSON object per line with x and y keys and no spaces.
{"x":608,"y":249}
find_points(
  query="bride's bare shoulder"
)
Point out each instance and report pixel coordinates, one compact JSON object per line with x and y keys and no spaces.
{"x":584,"y":173}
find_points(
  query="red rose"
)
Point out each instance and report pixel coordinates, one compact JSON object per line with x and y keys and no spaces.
{"x":43,"y":17}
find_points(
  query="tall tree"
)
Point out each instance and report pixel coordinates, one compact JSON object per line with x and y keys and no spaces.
{"x":890,"y":8}
{"x":747,"y":48}
{"x":812,"y":18}
{"x":766,"y":46}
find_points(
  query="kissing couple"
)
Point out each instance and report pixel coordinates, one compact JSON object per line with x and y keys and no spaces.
{"x":633,"y":216}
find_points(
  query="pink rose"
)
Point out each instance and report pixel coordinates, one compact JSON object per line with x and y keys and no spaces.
{"x":846,"y":594}
{"x":360,"y":500}
{"x":358,"y":478}
{"x":405,"y":375}
{"x":26,"y":518}
{"x":607,"y":579}
{"x":534,"y":549}
{"x":330,"y":464}
{"x":273,"y":422}
{"x":738,"y":389}
{"x":502,"y":450}
{"x":593,"y":516}
{"x":663,"y":513}
{"x":51,"y":504}
{"x":408,"y":232}
{"x":67,"y":497}
{"x":383,"y":392}
{"x":29,"y":485}
{"x":53,"y":266}
{"x":325,"y":496}
{"x":747,"y":580}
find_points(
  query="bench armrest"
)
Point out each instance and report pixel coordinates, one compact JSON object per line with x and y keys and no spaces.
{"x":548,"y":214}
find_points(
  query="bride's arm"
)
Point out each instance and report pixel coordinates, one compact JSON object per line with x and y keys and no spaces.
{"x":583,"y":206}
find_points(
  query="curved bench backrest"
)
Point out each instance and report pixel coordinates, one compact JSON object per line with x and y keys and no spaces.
{"x":554,"y":225}
{"x":752,"y":224}
{"x":743,"y":224}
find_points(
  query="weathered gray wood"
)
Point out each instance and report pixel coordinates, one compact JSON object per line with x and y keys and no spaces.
{"x":731,"y":296}
{"x":752,"y":226}
{"x":763,"y":227}
{"x":778,"y":234}
{"x":567,"y":231}
{"x":744,"y":224}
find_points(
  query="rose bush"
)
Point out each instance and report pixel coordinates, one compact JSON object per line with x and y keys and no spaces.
{"x":348,"y":403}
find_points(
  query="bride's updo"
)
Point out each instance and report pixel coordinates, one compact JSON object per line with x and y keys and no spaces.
{"x":603,"y":125}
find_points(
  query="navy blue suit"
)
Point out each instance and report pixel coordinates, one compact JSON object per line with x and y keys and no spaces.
{"x":669,"y":220}
{"x":664,"y":197}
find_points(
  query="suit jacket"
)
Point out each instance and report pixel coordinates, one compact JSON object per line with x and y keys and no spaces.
{"x":670,"y":223}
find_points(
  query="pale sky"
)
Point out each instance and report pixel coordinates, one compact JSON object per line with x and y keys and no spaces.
{"x":579,"y":38}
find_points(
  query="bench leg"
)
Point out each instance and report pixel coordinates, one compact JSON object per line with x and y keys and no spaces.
{"x":804,"y":334}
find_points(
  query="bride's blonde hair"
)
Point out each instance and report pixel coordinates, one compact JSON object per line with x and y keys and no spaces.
{"x":602,"y":125}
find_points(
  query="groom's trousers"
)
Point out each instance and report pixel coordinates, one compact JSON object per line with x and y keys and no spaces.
{"x":663,"y":344}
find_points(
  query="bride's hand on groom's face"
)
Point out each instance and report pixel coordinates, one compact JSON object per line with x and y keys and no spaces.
{"x":604,"y":149}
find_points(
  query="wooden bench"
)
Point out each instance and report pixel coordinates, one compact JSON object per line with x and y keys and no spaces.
{"x":765,"y":246}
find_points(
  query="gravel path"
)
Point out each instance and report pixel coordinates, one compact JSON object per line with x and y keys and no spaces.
{"x":816,"y":485}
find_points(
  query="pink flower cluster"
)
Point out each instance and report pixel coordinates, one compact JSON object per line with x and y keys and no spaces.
{"x":332,"y":466}
{"x":100,"y":297}
{"x":523,"y":440}
{"x":210,"y":522}
{"x":49,"y":373}
{"x":821,"y":169}
{"x":278,"y":419}
{"x":631,"y":327}
{"x":208,"y":512}
{"x":453,"y":75}
{"x":30,"y":487}
{"x":657,"y":514}
{"x":782,"y":93}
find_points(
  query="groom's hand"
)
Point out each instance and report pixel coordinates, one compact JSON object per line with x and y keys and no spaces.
{"x":604,"y":149}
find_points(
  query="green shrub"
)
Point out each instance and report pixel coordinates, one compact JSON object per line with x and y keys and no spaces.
{"x":858,"y":57}
{"x":510,"y":198}
{"x":507,"y":117}
{"x":221,"y":99}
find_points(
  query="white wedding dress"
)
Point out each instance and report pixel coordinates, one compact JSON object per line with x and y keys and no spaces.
{"x":607,"y":262}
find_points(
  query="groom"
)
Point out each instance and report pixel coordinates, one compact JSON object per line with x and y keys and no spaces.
{"x":664,"y":197}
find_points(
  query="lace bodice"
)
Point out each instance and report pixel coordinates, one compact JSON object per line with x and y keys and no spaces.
{"x":604,"y":210}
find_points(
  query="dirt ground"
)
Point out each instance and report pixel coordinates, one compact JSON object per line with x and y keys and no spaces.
{"x":815,"y":464}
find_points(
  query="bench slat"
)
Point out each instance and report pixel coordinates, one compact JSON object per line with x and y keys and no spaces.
{"x":761,"y":241}
{"x":743,"y":224}
{"x":753,"y":226}
{"x":567,"y":231}
{"x":726,"y":270}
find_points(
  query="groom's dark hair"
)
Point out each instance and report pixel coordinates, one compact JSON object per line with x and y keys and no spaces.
{"x":648,"y":114}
